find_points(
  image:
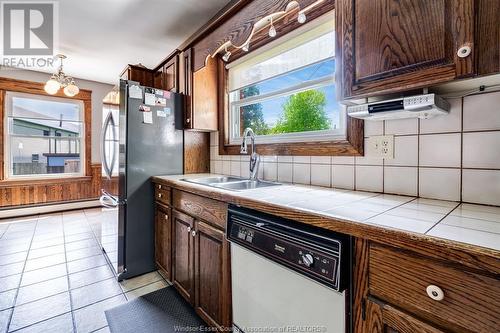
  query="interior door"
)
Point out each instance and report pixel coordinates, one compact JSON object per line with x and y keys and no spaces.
{"x":183,"y":255}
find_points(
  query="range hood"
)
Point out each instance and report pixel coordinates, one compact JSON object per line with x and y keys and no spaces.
{"x":420,"y":106}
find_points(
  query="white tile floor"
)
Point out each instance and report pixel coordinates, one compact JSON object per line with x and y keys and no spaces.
{"x":54,"y":277}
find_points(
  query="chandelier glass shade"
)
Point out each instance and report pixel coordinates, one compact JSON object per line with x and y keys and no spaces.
{"x":60,"y":80}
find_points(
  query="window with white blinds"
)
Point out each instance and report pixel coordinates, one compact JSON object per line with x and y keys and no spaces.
{"x":286,"y":92}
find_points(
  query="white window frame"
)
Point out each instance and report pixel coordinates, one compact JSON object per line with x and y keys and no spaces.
{"x":7,"y":137}
{"x":310,"y":136}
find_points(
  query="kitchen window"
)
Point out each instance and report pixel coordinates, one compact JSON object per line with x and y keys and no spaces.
{"x":44,"y":136}
{"x":286,"y":93}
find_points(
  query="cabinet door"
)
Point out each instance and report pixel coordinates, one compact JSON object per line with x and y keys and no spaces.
{"x":383,"y":318}
{"x":187,"y":87}
{"x":163,"y":240}
{"x":212,"y":274}
{"x":389,"y":46}
{"x":183,"y":263}
{"x":488,"y":36}
{"x":205,"y":96}
{"x":158,"y":79}
{"x":171,"y":74}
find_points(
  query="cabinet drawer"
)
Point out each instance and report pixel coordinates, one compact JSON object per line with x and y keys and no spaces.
{"x":162,"y":194}
{"x":211,"y":211}
{"x":470,"y":302}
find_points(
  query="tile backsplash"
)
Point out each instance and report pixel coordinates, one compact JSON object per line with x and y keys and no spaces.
{"x":454,"y":157}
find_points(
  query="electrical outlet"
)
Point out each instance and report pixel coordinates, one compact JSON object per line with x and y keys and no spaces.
{"x":381,"y":146}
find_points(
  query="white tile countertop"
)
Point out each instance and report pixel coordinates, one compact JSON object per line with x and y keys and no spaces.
{"x":466,"y":223}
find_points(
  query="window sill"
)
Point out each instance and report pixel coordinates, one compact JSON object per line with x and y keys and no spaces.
{"x":48,"y":181}
{"x":312,"y":148}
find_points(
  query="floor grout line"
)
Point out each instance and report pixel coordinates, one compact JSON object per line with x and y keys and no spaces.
{"x":68,"y":282}
{"x":9,"y":321}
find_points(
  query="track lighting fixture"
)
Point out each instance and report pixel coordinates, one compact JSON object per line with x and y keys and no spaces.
{"x":272,"y":29}
{"x":301,"y":18}
{"x":226,"y":56}
{"x":246,"y":47}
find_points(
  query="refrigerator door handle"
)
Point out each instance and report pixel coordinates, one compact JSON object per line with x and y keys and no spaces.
{"x":109,"y":124}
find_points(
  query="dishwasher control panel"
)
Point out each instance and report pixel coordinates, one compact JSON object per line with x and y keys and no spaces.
{"x":315,"y":255}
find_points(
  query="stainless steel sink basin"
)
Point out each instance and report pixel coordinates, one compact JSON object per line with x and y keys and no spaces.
{"x":230,"y":183}
{"x":213,"y":180}
{"x":245,"y":185}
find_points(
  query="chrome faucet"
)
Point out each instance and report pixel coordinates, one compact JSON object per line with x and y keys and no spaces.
{"x":254,"y":157}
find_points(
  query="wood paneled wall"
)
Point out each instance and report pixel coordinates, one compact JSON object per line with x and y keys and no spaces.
{"x":29,"y":192}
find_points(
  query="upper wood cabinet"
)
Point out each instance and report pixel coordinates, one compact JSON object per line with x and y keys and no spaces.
{"x":166,"y":77}
{"x":387,"y":46}
{"x":201,"y":90}
{"x":138,"y":73}
{"x":488,"y":36}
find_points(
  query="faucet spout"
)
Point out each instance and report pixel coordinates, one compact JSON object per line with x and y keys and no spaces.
{"x":254,"y":157}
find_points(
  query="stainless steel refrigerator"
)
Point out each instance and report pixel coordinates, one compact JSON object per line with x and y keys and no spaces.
{"x":145,"y":140}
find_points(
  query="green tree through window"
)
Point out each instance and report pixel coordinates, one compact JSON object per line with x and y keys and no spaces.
{"x":252,"y":115}
{"x":304,"y":111}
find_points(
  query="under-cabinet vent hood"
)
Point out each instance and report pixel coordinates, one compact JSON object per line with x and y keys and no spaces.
{"x":420,"y":106}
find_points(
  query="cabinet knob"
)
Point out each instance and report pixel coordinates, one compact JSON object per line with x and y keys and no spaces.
{"x":189,"y":229}
{"x":159,"y":187}
{"x":435,"y":292}
{"x":159,"y":195}
{"x":464,"y":51}
{"x":193,"y":233}
{"x":166,"y":217}
{"x":188,"y":120}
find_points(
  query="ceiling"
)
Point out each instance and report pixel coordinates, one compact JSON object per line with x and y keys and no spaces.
{"x":100,"y":37}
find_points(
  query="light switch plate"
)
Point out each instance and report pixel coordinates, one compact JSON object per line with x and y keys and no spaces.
{"x":381,"y":146}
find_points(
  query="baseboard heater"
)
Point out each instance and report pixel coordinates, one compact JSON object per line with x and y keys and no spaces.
{"x":25,"y":210}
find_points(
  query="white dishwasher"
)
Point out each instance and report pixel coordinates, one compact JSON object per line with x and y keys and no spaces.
{"x":287,"y":276}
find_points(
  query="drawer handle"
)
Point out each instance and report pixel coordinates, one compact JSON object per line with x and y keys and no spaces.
{"x":464,"y":51}
{"x":435,"y":292}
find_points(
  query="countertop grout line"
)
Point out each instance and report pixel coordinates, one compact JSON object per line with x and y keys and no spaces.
{"x":448,"y":214}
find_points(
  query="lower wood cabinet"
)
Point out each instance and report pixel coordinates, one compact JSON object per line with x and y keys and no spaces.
{"x":212,"y":275}
{"x":383,"y":318}
{"x":183,"y":254}
{"x":163,"y":243}
{"x":201,"y":268}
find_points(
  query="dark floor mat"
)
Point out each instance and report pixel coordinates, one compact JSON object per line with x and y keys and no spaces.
{"x":162,"y":311}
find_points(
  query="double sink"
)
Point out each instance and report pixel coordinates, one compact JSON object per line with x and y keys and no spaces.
{"x":230,"y":183}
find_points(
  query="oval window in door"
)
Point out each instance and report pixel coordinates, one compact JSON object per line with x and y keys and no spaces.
{"x":109,"y":145}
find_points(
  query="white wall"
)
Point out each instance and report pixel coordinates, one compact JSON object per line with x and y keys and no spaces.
{"x":99,"y":91}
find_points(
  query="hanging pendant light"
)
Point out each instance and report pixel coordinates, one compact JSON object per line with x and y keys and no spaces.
{"x":60,"y":80}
